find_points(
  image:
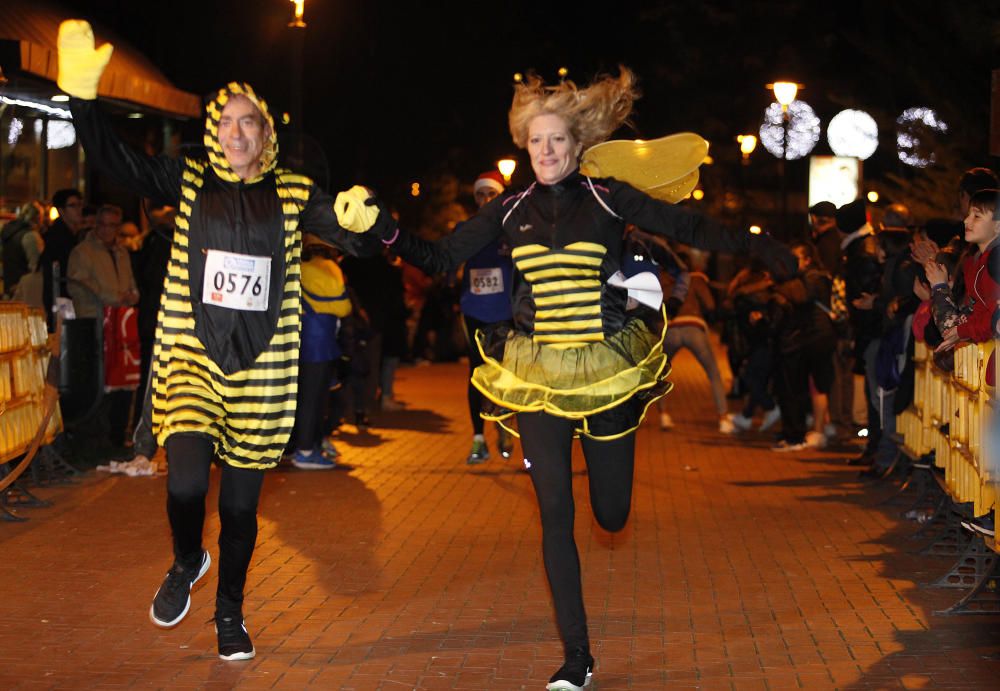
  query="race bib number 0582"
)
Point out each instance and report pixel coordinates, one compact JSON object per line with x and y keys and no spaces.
{"x":236,"y":281}
{"x":486,"y":281}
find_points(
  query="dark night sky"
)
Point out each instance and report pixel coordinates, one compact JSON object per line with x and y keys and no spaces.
{"x":394,"y":90}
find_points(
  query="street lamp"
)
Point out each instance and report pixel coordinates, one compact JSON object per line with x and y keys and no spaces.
{"x":748,"y":143}
{"x":506,"y":167}
{"x":784,"y":94}
{"x":297,"y":25}
{"x":299,"y":10}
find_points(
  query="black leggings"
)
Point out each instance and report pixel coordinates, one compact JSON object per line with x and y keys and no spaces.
{"x":313,"y":397}
{"x":547,"y":442}
{"x":189,"y":458}
{"x":475,"y":360}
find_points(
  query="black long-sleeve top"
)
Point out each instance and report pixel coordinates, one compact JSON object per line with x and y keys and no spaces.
{"x":566,"y":240}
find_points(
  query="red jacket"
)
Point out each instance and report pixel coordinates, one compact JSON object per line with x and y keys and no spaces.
{"x":983,"y":292}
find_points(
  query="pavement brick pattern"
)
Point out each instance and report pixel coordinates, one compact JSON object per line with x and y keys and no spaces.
{"x":740,"y":569}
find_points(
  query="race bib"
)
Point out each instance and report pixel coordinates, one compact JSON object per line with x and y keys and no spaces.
{"x":236,"y":281}
{"x":486,"y":281}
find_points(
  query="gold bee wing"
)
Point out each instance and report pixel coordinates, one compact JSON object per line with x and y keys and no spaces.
{"x":664,"y":168}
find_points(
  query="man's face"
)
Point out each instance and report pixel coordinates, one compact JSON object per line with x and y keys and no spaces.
{"x":108,"y":225}
{"x":484,"y":195}
{"x":242,"y":135}
{"x":821,"y":224}
{"x":72,"y":213}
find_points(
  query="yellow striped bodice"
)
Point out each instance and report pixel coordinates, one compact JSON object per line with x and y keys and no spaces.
{"x":566,"y":288}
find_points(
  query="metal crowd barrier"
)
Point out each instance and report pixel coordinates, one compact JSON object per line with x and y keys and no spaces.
{"x":29,"y":409}
{"x":951,"y":416}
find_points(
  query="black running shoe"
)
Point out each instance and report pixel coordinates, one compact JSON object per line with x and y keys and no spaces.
{"x":575,"y":674}
{"x":234,"y":641}
{"x":173,"y":600}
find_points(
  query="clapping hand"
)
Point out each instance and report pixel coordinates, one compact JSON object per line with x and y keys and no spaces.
{"x":950,"y":340}
{"x":923,"y":250}
{"x":936,"y":273}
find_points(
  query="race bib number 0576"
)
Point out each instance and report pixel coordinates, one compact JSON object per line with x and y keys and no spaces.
{"x":236,"y":281}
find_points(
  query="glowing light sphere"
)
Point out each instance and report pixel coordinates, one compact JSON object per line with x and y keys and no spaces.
{"x":16,"y":127}
{"x":61,"y":133}
{"x":853,"y":133}
{"x":803,"y":130}
{"x":914,"y":127}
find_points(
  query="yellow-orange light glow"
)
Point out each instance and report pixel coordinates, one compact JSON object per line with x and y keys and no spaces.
{"x":53,"y":214}
{"x":755,"y":230}
{"x":299,"y":11}
{"x":873,"y":196}
{"x":698,"y":195}
{"x":518,"y":77}
{"x":563,"y":72}
{"x":506,"y":166}
{"x":415,"y":189}
{"x":748,"y":143}
{"x":784,"y":92}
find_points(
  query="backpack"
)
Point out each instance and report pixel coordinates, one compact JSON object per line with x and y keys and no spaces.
{"x":890,"y":360}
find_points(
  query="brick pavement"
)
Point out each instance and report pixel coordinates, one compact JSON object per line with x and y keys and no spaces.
{"x":740,"y":568}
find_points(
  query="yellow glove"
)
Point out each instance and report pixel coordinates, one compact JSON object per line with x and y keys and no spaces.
{"x":80,"y":66}
{"x":353,"y":213}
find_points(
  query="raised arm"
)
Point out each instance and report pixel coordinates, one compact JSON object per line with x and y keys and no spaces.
{"x":676,"y":223}
{"x":318,"y":216}
{"x":158,"y":177}
{"x":448,"y":253}
{"x":80,"y":69}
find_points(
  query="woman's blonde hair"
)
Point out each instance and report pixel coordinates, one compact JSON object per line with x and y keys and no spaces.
{"x":592,"y":113}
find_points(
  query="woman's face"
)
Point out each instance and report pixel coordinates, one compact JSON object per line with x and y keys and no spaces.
{"x":553,"y":149}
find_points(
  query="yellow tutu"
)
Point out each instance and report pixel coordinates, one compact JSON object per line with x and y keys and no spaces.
{"x":606,"y":385}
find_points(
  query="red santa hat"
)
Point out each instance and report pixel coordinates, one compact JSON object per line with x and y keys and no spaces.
{"x":491,"y":179}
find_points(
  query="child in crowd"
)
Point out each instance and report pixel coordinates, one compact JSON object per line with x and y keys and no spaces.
{"x":973,"y":319}
{"x":324,"y":302}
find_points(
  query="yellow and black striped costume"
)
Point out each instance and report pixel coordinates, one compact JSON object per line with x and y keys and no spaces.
{"x":250,"y":413}
{"x":230,"y":375}
{"x":573,"y":352}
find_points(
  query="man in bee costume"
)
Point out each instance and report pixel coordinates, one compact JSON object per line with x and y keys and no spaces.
{"x":225,"y":360}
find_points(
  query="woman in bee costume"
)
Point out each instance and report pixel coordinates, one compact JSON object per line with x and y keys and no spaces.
{"x":225,"y":358}
{"x":575,"y":363}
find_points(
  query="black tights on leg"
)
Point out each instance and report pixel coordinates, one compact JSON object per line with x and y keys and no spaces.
{"x":189,"y":458}
{"x":547,"y":442}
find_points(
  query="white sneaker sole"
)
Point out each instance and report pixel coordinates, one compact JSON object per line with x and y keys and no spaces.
{"x":238,"y":656}
{"x":301,"y":465}
{"x":561,"y":685}
{"x":205,"y":564}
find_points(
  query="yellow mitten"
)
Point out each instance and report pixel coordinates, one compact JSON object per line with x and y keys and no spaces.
{"x":80,"y":66}
{"x":353,"y":213}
